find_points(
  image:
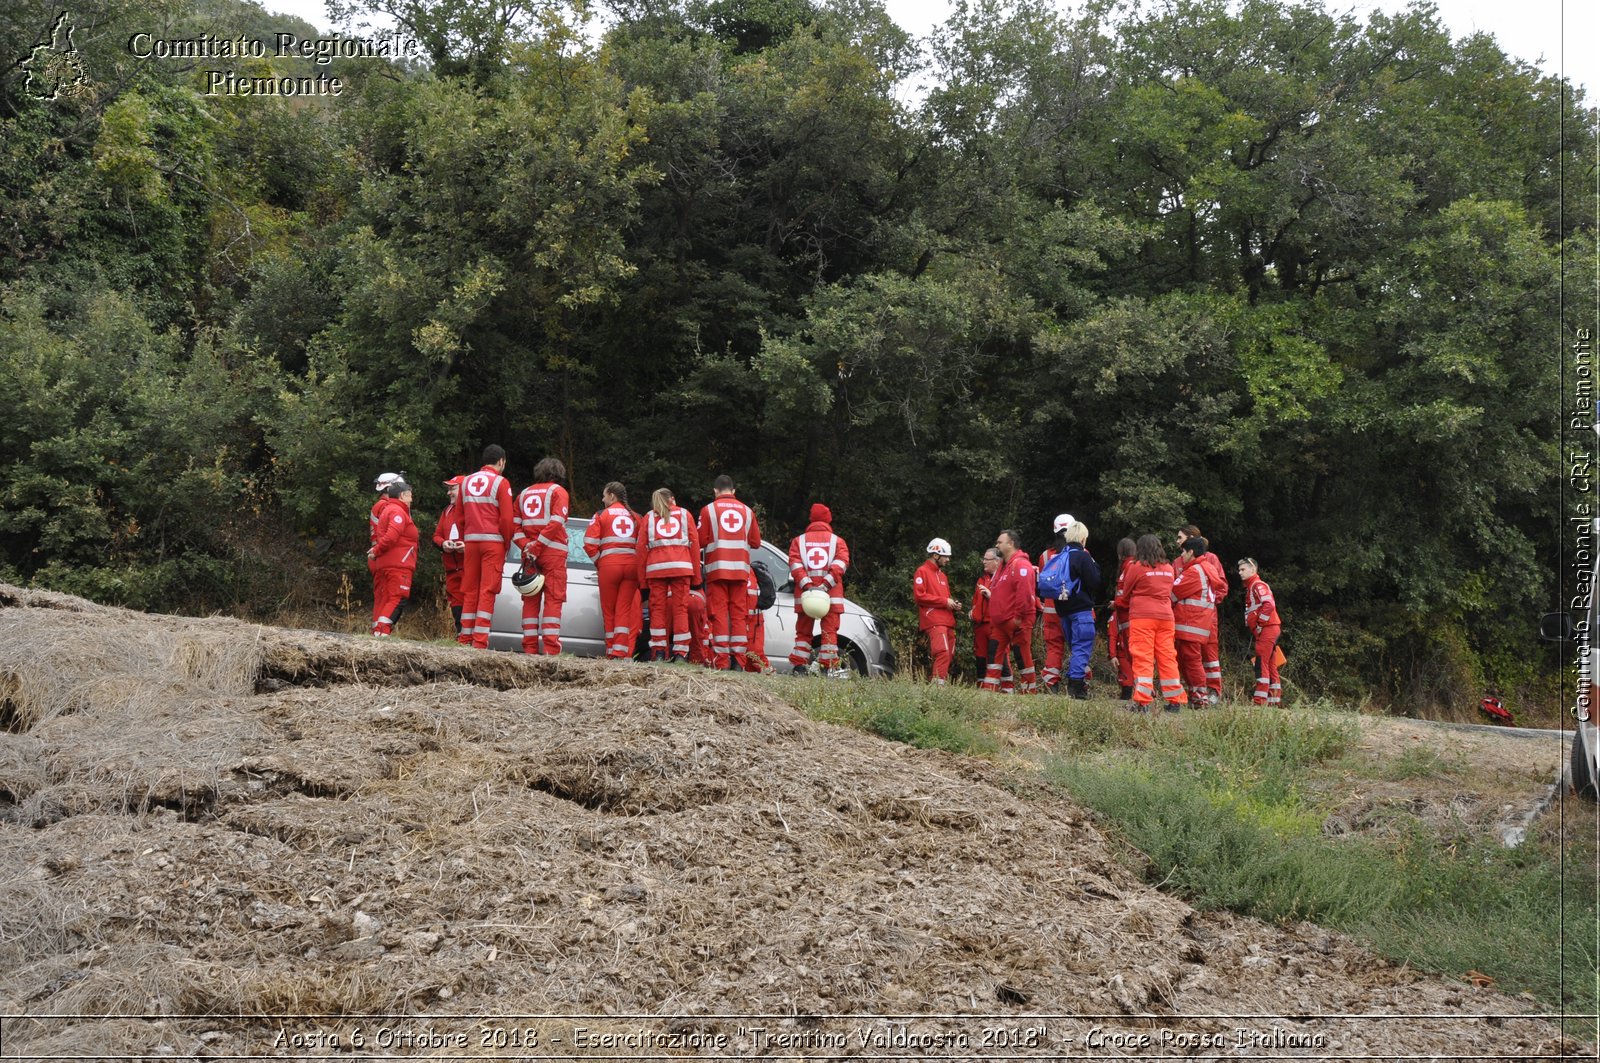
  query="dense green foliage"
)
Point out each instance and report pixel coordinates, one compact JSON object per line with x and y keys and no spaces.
{"x":1269,"y":269}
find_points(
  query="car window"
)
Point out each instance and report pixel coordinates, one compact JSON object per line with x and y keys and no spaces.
{"x":576,"y":558}
{"x":775,"y":564}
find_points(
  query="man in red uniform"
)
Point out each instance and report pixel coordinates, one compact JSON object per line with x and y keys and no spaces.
{"x":1211,"y":653}
{"x":982,"y":630}
{"x":1194,"y":615}
{"x":818,"y":559}
{"x":542,"y":536}
{"x":1261,"y":617}
{"x":930,"y":589}
{"x":612,"y":541}
{"x":489,"y":521}
{"x":447,"y":537}
{"x":729,"y":533}
{"x":1013,"y":609}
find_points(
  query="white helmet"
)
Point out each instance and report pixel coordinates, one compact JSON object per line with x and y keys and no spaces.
{"x":815,"y":603}
{"x":1062,"y":522}
{"x":939,"y":546}
{"x":528,"y":581}
{"x":384,"y":480}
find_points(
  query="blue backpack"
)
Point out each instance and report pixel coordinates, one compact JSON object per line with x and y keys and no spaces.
{"x":1056,"y":581}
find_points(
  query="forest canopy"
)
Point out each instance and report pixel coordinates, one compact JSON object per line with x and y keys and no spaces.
{"x":1287,"y":274}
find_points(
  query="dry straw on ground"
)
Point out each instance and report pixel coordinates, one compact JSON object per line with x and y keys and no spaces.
{"x":207,"y":827}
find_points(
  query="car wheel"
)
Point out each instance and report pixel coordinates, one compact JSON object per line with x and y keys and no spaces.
{"x":1582,"y":781}
{"x":858,"y":660}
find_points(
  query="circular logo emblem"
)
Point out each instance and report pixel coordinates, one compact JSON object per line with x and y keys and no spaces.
{"x":732,"y":521}
{"x":533,"y":506}
{"x":667,"y":528}
{"x":623,"y":525}
{"x":816,"y":556}
{"x":478,"y":484}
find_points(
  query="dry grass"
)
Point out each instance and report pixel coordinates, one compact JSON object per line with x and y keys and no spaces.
{"x":207,"y":825}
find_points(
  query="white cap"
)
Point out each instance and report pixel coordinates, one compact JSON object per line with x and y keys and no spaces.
{"x":939,"y":547}
{"x":1062,"y":522}
{"x":384,"y":480}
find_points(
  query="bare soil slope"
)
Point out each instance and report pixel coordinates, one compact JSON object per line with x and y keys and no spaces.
{"x":221,"y":839}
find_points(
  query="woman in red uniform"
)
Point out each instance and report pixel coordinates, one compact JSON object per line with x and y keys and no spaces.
{"x":1146,"y":591}
{"x":394,"y":559}
{"x":1261,"y":617}
{"x":669,"y":564}
{"x":612,"y":542}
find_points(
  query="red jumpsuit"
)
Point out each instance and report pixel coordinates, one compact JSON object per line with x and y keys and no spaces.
{"x":1261,"y":617}
{"x":669,"y":562}
{"x":489,"y":522}
{"x":755,"y":657}
{"x":393,"y":565}
{"x":1055,"y":642}
{"x":729,"y":534}
{"x":1013,"y":610}
{"x":612,"y":541}
{"x":542,"y":535}
{"x":1194,"y":614}
{"x":1146,"y":591}
{"x":1211,"y":657}
{"x":818,"y":559}
{"x":700,"y":637}
{"x":930,"y":589}
{"x":1117,"y":633}
{"x":448,"y":529}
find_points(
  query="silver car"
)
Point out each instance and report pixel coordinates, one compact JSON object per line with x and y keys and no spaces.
{"x":863,"y":638}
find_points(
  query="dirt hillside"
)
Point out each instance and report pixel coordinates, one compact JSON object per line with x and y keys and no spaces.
{"x":220,"y":839}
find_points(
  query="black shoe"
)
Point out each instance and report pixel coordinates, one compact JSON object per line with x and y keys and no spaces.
{"x":1078,"y":689}
{"x":1170,"y":706}
{"x":1127,"y":693}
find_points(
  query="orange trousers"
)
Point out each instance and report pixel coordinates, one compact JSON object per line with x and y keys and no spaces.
{"x":1152,"y":650}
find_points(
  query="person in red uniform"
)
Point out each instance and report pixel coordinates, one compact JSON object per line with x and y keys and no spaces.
{"x":489,"y":521}
{"x":393,"y":557}
{"x":1261,"y":617}
{"x":1013,"y":609}
{"x":1211,"y":654}
{"x":1117,"y":629}
{"x":755,"y":654}
{"x":1146,"y":591}
{"x":818,"y":559}
{"x":669,"y":564}
{"x":542,"y":535}
{"x":380,"y":485}
{"x":982,"y":630}
{"x":1055,"y":642}
{"x":1194,"y":615}
{"x":447,"y":537}
{"x":700,"y":636}
{"x":612,"y":541}
{"x":729,"y":534}
{"x":936,"y":617}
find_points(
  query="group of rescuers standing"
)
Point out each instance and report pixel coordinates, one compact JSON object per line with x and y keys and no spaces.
{"x":705,"y":594}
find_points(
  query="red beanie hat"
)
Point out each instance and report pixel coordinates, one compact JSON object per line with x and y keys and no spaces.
{"x":822,"y":513}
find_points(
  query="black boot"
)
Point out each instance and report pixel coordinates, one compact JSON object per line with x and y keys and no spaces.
{"x":1078,"y":689}
{"x":1127,"y":693}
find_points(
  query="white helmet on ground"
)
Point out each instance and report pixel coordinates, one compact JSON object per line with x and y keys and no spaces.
{"x":384,"y":480}
{"x":939,"y":546}
{"x":815,"y":603}
{"x":1062,"y":522}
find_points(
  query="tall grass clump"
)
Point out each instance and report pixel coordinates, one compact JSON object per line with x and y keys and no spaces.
{"x":928,"y":717}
